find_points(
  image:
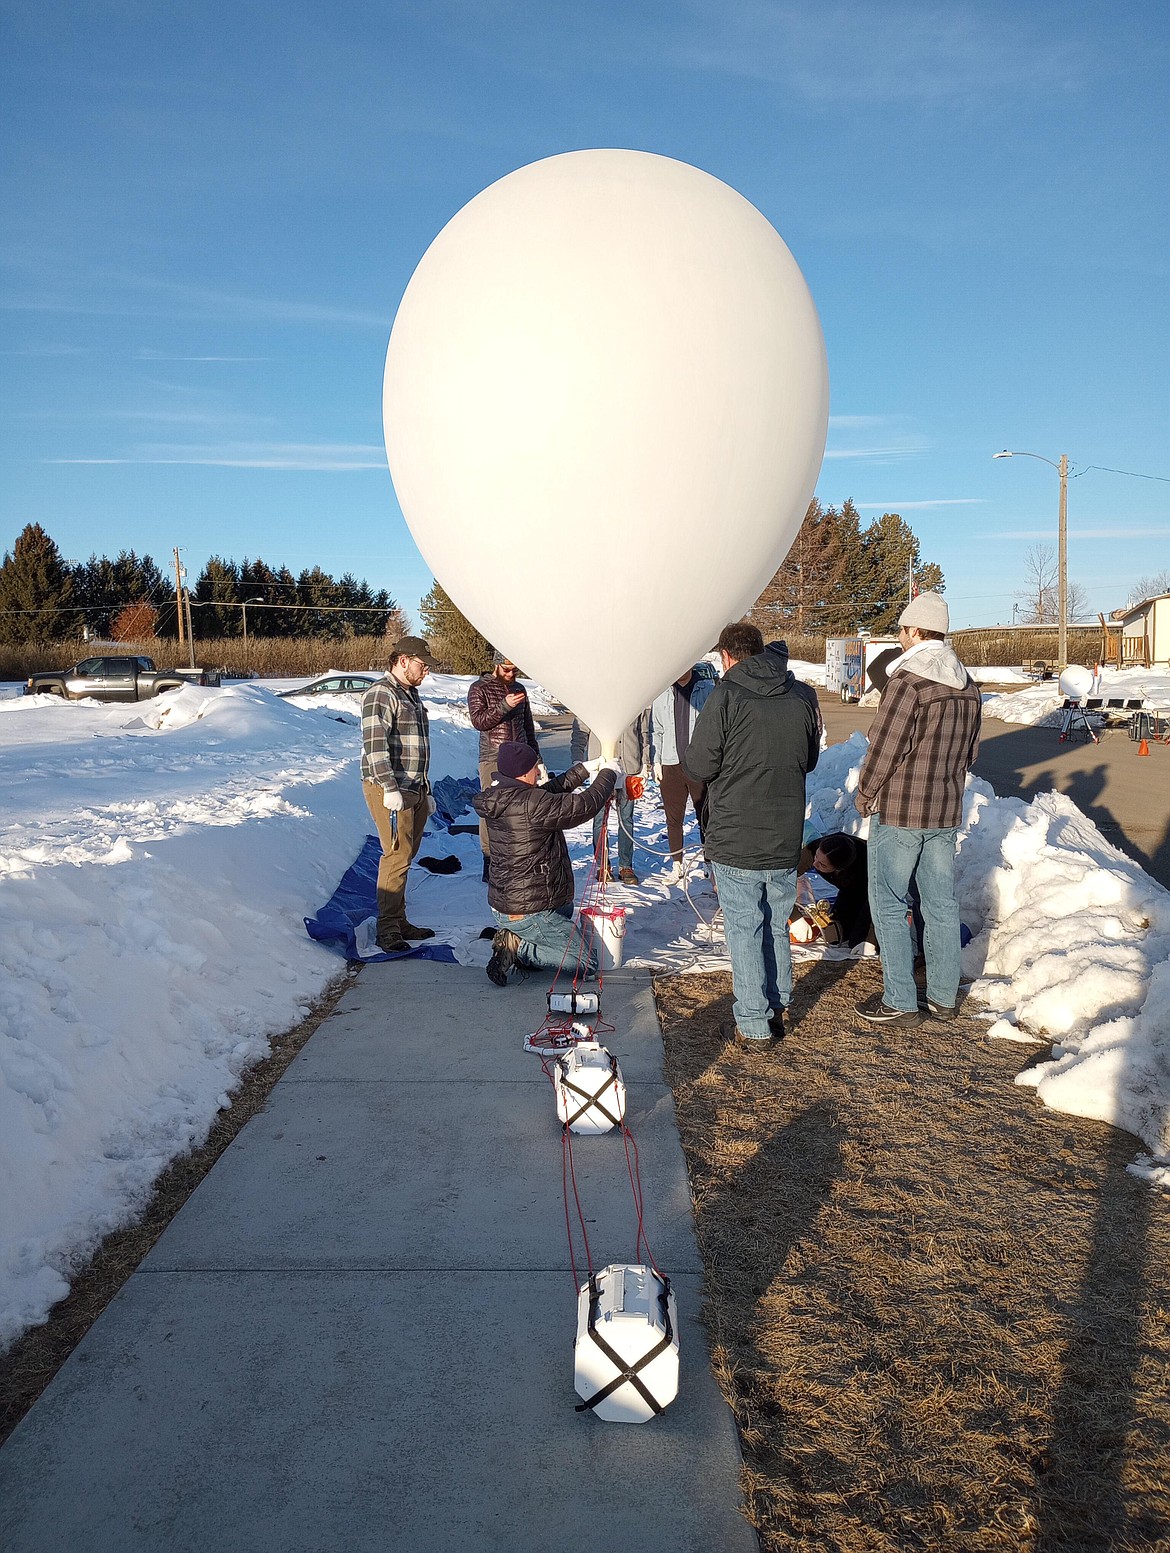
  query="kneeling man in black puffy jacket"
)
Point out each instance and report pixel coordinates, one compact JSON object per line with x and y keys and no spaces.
{"x":530,"y":887}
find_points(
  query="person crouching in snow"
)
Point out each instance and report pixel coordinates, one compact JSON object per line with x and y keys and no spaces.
{"x":530,"y":886}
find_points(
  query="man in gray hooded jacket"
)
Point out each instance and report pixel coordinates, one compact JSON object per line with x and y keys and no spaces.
{"x":922,"y":743}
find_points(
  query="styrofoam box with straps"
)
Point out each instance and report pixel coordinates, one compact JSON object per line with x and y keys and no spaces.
{"x":591,"y":1093}
{"x":626,"y":1353}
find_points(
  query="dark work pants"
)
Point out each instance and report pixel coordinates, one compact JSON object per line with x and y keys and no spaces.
{"x":677,"y":785}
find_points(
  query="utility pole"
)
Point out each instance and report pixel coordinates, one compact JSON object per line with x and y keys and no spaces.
{"x":190,"y":632}
{"x":179,"y":595}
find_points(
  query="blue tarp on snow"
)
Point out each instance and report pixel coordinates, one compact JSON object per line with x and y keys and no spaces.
{"x":355,"y":899}
{"x":453,"y":796}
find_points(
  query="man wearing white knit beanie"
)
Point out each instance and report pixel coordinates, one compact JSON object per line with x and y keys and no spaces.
{"x":923,"y":742}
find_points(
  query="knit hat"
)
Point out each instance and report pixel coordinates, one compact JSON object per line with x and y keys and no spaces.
{"x":515,"y":759}
{"x":928,"y":612}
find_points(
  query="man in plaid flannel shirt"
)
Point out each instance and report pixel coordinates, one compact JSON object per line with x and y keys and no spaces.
{"x":923,"y":742}
{"x":396,"y":752}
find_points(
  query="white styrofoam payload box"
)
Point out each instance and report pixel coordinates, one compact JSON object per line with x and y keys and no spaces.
{"x":591,"y":1093}
{"x":626,"y":1353}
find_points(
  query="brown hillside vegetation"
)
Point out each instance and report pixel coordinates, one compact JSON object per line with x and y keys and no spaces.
{"x":940,"y":1312}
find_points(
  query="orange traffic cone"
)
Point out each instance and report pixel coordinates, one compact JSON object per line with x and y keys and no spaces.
{"x":1144,"y":747}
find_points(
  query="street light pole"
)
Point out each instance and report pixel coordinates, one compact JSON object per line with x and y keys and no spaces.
{"x":1062,"y":563}
{"x":244,"y":611}
{"x":1061,"y":547}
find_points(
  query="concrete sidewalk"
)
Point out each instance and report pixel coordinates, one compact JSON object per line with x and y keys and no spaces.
{"x":357,"y":1334}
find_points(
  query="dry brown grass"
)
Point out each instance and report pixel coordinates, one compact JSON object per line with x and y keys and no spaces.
{"x":940,"y":1313}
{"x":276,"y":656}
{"x":28,"y":1367}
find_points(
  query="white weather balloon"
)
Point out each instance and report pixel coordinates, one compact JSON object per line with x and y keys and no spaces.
{"x":605,"y":409}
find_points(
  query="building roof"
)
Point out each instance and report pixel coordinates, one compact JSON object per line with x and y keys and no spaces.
{"x":1140,"y":608}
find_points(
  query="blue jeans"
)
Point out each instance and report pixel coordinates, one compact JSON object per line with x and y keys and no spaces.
{"x":895,"y":855}
{"x":549,"y":939}
{"x":625,"y":817}
{"x":756,"y":903}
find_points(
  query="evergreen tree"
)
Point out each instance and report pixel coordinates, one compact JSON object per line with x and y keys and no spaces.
{"x":889,"y":555}
{"x":453,"y":638}
{"x":36,"y":590}
{"x":837,"y":579}
{"x":218,"y":585}
{"x":319,"y":595}
{"x":259,"y":584}
{"x":102,"y":588}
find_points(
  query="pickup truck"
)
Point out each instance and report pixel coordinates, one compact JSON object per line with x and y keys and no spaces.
{"x":112,"y":678}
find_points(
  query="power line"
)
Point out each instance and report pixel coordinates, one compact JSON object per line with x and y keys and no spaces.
{"x":1133,"y":474}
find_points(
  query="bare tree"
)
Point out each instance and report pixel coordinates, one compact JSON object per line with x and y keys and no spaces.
{"x":1149,"y":587}
{"x":1040,"y":596}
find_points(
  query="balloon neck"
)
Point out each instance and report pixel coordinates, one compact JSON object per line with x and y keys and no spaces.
{"x":609,"y":749}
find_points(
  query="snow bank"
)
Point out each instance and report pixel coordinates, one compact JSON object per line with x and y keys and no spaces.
{"x":1040,"y":705}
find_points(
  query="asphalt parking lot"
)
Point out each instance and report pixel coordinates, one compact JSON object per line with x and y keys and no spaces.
{"x":1127,"y":796}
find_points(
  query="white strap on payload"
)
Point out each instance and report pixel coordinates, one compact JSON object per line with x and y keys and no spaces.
{"x":626,"y":1354}
{"x":591,"y":1093}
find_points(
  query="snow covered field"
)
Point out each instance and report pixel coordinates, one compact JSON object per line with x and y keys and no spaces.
{"x":157,"y":862}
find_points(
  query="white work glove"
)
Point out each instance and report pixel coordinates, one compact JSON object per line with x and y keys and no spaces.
{"x":615,"y":766}
{"x":392,"y":798}
{"x":658,"y":771}
{"x":594,"y":766}
{"x":430,"y":806}
{"x":801,"y":931}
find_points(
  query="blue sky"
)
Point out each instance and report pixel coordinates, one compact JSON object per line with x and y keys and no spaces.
{"x":209,"y":212}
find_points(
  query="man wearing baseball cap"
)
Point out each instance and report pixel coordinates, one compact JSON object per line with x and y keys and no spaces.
{"x":530,"y":885}
{"x":923,"y":742}
{"x":396,"y":753}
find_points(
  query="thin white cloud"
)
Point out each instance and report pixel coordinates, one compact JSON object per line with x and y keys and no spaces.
{"x":152,"y":355}
{"x":894,"y":53}
{"x":148,"y":296}
{"x":1083,"y":533}
{"x":45,"y":350}
{"x":325,"y":457}
{"x":905,"y":506}
{"x":883,"y":455}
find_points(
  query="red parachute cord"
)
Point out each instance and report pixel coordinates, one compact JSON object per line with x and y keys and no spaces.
{"x":635,"y":1174}
{"x":568,"y":1174}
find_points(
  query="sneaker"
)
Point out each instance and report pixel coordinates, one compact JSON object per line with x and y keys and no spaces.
{"x":627,"y":876}
{"x":876,"y":1011}
{"x":504,"y":946}
{"x":776,"y":1025}
{"x":941,"y":1010}
{"x":410,"y":931}
{"x":677,"y":873}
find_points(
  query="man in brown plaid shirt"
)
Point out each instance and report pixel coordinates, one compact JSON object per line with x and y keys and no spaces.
{"x":396,"y":752}
{"x":923,"y":742}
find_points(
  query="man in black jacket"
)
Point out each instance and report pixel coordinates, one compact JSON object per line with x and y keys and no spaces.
{"x":530,"y":887}
{"x":756,"y":739}
{"x":498,"y":706}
